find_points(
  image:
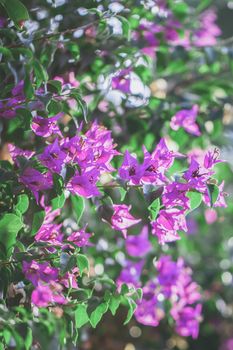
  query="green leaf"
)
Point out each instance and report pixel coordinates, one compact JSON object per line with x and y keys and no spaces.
{"x":40,"y":73}
{"x":38,"y":219}
{"x":81,"y":103}
{"x":55,"y":86}
{"x":28,"y":340}
{"x":28,"y":88}
{"x":58,"y":183}
{"x":58,"y":202}
{"x":82,"y":263}
{"x":26,"y":116}
{"x":125,"y":27}
{"x":78,"y":206}
{"x":6,"y":52}
{"x":16,"y":11}
{"x":97,"y":314}
{"x":195,"y":199}
{"x":202,"y":5}
{"x":81,"y":316}
{"x":67,"y":262}
{"x":213,"y":192}
{"x":10,"y":224}
{"x":114,"y":303}
{"x":132,"y":307}
{"x":154,"y":209}
{"x":22,"y":203}
{"x":54,"y":107}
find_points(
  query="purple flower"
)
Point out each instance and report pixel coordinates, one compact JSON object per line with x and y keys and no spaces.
{"x":50,"y":233}
{"x":80,"y":238}
{"x":84,"y":185}
{"x":208,"y":32}
{"x":16,"y":151}
{"x":36,"y":181}
{"x":121,"y":219}
{"x":156,"y":164}
{"x":36,"y":272}
{"x":197,"y":176}
{"x":130,"y":169}
{"x":168,"y":223}
{"x":121,"y":81}
{"x":139,"y":245}
{"x":211,"y":158}
{"x":174,"y":195}
{"x":69,"y":280}
{"x":187,"y":319}
{"x":168,"y":273}
{"x":45,"y":295}
{"x":45,"y":126}
{"x":53,"y":157}
{"x":186,"y":118}
{"x":149,"y":310}
{"x":131,"y":273}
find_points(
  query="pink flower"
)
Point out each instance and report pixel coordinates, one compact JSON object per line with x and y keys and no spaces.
{"x":149,"y":311}
{"x":45,"y":126}
{"x":187,"y":319}
{"x":36,"y":181}
{"x":37,"y":272}
{"x":84,"y":185}
{"x":131,"y":273}
{"x":121,"y":219}
{"x":45,"y":295}
{"x":138,"y":245}
{"x":130,"y":169}
{"x":50,"y":233}
{"x":186,"y":118}
{"x":80,"y":238}
{"x":210,"y":216}
{"x":16,"y":151}
{"x":53,"y":157}
{"x":167,"y":224}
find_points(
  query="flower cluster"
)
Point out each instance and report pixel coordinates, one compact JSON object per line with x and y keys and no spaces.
{"x":174,"y":284}
{"x":49,"y":281}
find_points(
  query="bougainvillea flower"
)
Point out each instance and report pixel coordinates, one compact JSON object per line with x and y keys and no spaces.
{"x":80,"y":238}
{"x":138,"y":245}
{"x":168,"y":273}
{"x":220,"y":201}
{"x":16,"y":151}
{"x":122,"y":219}
{"x":130,"y":169}
{"x":53,"y":157}
{"x":45,"y":295}
{"x":187,"y":320}
{"x":50,"y":233}
{"x":197,"y":176}
{"x":131,"y":273}
{"x":186,"y":118}
{"x":211,"y":158}
{"x":121,"y":81}
{"x":69,"y":279}
{"x":84,"y":185}
{"x":211,"y":216}
{"x":166,"y":225}
{"x":157,"y":163}
{"x":35,"y":181}
{"x":37,"y":272}
{"x":45,"y":126}
{"x":207,"y":33}
{"x":149,"y":310}
{"x":174,"y":195}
